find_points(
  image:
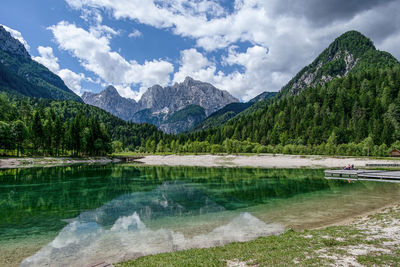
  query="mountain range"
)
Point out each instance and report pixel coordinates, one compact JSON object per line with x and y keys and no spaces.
{"x":173,"y":109}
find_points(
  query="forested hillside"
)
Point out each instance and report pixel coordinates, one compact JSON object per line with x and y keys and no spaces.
{"x":184,"y":119}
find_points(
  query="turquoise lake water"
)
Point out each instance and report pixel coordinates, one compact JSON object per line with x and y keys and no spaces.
{"x":82,"y":215}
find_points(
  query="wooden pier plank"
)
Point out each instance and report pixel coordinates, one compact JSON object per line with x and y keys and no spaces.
{"x":363,"y":175}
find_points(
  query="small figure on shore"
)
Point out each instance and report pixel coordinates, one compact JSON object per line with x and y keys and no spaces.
{"x":349,"y":167}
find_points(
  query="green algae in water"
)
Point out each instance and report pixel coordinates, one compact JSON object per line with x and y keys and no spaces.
{"x":166,"y":208}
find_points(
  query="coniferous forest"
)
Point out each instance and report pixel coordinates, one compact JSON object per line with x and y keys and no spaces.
{"x":36,"y":126}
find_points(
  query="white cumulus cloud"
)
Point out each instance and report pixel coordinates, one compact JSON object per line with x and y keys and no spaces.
{"x":281,"y":36}
{"x":47,"y":58}
{"x":93,"y":50}
{"x":72,"y":80}
{"x":135,"y":34}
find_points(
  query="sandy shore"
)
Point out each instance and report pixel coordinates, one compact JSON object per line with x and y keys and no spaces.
{"x":7,"y":163}
{"x":255,"y":161}
{"x":261,"y":161}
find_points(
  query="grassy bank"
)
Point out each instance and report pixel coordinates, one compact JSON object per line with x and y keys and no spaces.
{"x":374,"y":240}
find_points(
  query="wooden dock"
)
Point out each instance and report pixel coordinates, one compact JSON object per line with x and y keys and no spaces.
{"x":364,"y":175}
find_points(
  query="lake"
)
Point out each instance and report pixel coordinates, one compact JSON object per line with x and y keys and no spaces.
{"x":82,"y":215}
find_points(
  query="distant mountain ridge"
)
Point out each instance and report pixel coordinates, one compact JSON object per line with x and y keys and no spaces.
{"x":21,"y":75}
{"x":226,"y":113}
{"x":158,"y":104}
{"x":111,"y":101}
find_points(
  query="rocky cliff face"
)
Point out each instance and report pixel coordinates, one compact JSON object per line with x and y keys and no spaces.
{"x":111,"y":101}
{"x":162,"y":106}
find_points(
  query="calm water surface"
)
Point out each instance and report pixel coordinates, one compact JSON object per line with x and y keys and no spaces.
{"x":83,"y":215}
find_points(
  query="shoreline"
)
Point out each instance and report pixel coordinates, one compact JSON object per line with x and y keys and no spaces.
{"x":32,"y":162}
{"x":261,"y":161}
{"x":358,"y":217}
{"x":266,"y":161}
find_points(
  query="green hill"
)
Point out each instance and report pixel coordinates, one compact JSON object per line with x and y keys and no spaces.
{"x":189,"y":110}
{"x":221,"y":116}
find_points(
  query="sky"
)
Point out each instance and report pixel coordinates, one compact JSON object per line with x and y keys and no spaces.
{"x":243,"y":46}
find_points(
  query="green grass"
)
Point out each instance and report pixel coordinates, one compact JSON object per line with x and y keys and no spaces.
{"x":319,"y":247}
{"x":283,"y":250}
{"x":382,"y":259}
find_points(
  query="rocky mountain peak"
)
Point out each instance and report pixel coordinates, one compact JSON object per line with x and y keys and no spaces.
{"x":110,"y":91}
{"x":110,"y":100}
{"x":188,"y":81}
{"x":11,"y":45}
{"x":353,"y":41}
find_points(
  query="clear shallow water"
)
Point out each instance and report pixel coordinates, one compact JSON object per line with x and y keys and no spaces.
{"x":88,"y":214}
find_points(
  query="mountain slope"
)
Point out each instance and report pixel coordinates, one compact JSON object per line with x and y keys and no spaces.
{"x":111,"y":101}
{"x":19,"y":74}
{"x":184,"y":119}
{"x":349,"y":53}
{"x":226,"y":113}
{"x":263,"y":96}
